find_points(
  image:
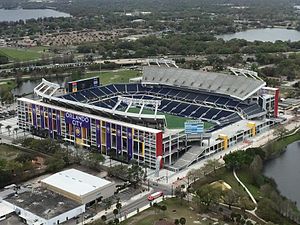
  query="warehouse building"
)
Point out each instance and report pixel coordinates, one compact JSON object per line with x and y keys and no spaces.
{"x":79,"y":186}
{"x":41,"y":206}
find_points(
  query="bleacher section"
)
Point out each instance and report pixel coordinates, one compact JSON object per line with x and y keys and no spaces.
{"x":239,"y":87}
{"x":182,"y":102}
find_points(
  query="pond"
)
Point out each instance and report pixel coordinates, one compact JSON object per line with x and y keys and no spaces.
{"x":27,"y":86}
{"x":285,"y":170}
{"x":267,"y":34}
{"x":25,"y":14}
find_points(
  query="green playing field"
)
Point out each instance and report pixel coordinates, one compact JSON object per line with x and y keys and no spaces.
{"x":173,"y":122}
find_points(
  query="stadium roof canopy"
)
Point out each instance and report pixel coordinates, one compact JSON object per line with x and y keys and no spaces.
{"x":239,"y":87}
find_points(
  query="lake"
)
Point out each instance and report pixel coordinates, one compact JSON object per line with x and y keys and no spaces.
{"x":286,"y":172}
{"x":25,"y":14}
{"x":27,"y":86}
{"x":267,"y":34}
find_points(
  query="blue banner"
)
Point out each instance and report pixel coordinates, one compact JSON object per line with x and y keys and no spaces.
{"x":129,"y":142}
{"x":50,"y":121}
{"x":98,"y":134}
{"x":77,"y":120}
{"x":33,"y":115}
{"x":108,"y":136}
{"x":42,"y":117}
{"x":58,"y":127}
{"x":119,"y":139}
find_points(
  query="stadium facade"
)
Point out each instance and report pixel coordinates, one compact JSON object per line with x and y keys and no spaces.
{"x":102,"y":117}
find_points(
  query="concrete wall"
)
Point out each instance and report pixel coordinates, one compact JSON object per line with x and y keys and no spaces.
{"x":67,"y":215}
{"x":105,"y":191}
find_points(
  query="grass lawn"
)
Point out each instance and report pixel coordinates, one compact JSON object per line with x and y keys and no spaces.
{"x":119,"y":76}
{"x":8,"y":152}
{"x":227,"y":176}
{"x":175,"y":210}
{"x":8,"y":84}
{"x":17,"y":54}
{"x":245,"y":177}
{"x":173,"y":122}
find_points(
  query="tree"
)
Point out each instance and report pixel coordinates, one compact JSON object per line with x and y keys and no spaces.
{"x":280,"y":131}
{"x":180,"y":193}
{"x":135,"y":174}
{"x":155,"y":206}
{"x":8,"y":127}
{"x":16,"y":130}
{"x":1,"y":125}
{"x":24,"y":157}
{"x":212,"y":165}
{"x":230,"y":197}
{"x":103,"y":218}
{"x":207,"y":195}
{"x":236,"y":160}
{"x":119,"y":206}
{"x":3,"y":59}
{"x":192,"y":175}
{"x":163,"y":208}
{"x":182,"y":221}
{"x":94,"y":159}
{"x":55,"y":164}
{"x":115,"y":212}
{"x":176,"y":221}
{"x":107,"y":203}
{"x":255,"y":168}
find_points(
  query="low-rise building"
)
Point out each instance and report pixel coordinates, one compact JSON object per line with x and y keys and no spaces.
{"x":41,"y":206}
{"x":81,"y":187}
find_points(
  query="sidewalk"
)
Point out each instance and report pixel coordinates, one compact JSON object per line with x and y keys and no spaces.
{"x":106,"y":212}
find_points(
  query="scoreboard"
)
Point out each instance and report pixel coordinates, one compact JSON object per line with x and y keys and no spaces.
{"x":78,"y":85}
{"x":194,"y":127}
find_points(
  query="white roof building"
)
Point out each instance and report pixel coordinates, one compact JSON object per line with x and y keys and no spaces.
{"x":4,"y":210}
{"x":79,"y":186}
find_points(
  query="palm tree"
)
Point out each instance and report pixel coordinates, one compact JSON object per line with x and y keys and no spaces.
{"x":182,"y":221}
{"x":103,"y":218}
{"x":119,"y":206}
{"x":8,"y":127}
{"x":1,"y":125}
{"x":115,"y":212}
{"x":16,"y":130}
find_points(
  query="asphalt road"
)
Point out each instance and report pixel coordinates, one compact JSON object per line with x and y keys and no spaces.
{"x":141,"y":202}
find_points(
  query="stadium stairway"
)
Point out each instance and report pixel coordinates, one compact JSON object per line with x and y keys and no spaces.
{"x":188,"y":157}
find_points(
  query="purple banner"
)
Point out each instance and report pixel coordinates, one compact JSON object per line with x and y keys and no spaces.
{"x":33,"y":115}
{"x":50,"y":121}
{"x":119,"y":138}
{"x":129,"y":142}
{"x":77,"y":120}
{"x":98,"y":134}
{"x":42,"y":117}
{"x":108,"y":136}
{"x":58,"y":127}
{"x":78,"y":132}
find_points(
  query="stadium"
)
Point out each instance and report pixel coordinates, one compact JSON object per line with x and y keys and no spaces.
{"x":146,"y":119}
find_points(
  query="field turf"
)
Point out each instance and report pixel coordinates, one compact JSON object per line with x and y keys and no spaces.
{"x":17,"y":54}
{"x":173,"y":122}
